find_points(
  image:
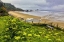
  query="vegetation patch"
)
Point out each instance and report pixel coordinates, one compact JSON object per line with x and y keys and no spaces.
{"x":15,"y":30}
{"x":3,"y":11}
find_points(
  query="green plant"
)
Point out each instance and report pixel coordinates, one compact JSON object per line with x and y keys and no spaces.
{"x":19,"y":31}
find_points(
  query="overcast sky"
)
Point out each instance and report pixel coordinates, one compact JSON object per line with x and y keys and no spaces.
{"x":38,"y":4}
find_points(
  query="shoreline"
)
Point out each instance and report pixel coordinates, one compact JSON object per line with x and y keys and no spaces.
{"x":46,"y":21}
{"x":22,"y":15}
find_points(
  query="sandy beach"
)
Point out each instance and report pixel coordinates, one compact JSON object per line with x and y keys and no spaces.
{"x":47,"y":21}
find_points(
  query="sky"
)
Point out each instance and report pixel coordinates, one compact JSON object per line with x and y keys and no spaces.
{"x":38,"y":4}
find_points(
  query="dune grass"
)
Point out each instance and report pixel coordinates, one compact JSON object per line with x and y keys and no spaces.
{"x":19,"y":31}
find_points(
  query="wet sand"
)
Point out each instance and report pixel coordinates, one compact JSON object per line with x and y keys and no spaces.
{"x":47,"y":21}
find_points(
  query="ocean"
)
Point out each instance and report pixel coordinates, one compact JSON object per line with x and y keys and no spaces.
{"x":53,"y":16}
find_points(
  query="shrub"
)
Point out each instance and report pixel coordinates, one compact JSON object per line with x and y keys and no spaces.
{"x":3,"y":11}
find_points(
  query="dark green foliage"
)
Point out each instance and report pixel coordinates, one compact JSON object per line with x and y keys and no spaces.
{"x":11,"y":7}
{"x":3,"y":12}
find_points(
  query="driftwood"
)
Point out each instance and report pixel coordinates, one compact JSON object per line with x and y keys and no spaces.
{"x":50,"y":27}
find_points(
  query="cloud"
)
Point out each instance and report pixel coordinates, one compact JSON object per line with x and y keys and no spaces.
{"x":58,"y":7}
{"x":38,"y":4}
{"x":55,"y":2}
{"x":26,"y":1}
{"x":27,"y":4}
